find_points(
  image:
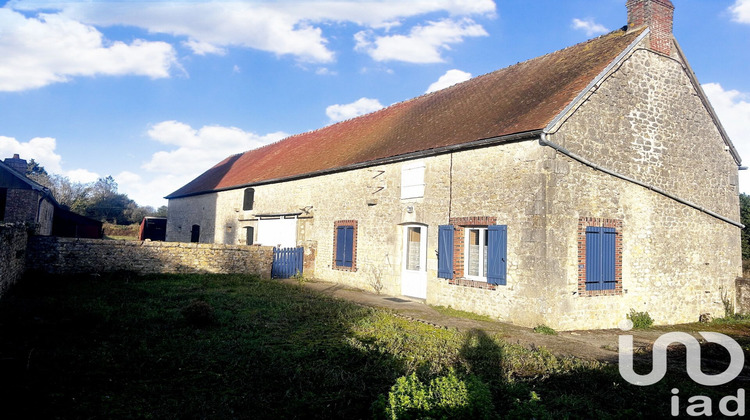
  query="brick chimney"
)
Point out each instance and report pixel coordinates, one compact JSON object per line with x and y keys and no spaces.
{"x":16,"y":163}
{"x":657,"y":15}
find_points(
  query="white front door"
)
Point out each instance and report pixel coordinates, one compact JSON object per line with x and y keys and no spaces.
{"x":414,"y":257}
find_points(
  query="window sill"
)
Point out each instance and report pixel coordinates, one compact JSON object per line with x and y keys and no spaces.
{"x":617,"y":291}
{"x":474,"y":284}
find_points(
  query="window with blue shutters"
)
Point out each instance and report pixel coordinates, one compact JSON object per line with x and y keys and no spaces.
{"x":345,"y":245}
{"x":484,"y":253}
{"x":599,"y":257}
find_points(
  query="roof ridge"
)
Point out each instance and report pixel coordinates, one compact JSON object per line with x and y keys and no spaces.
{"x":428,"y":94}
{"x":517,"y":98}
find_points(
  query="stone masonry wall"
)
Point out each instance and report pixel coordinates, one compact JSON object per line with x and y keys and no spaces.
{"x":743,"y":296}
{"x":645,"y":121}
{"x":70,"y":255}
{"x":27,"y":206}
{"x":12,"y":254}
{"x":22,"y":206}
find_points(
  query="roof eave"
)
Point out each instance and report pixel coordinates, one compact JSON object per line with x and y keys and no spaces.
{"x":492,"y":141}
{"x":707,"y":104}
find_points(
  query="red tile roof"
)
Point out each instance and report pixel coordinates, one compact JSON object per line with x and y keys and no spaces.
{"x":517,"y":99}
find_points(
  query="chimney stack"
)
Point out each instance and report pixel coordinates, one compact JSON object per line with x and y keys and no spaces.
{"x":657,"y":15}
{"x":16,"y":163}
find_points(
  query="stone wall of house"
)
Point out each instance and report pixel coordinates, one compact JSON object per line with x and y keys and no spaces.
{"x":12,"y":254}
{"x":457,"y":185}
{"x":22,"y":206}
{"x":646,"y":122}
{"x":743,"y":296}
{"x":28,"y":206}
{"x":70,"y":255}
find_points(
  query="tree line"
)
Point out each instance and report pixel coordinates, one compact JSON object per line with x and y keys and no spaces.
{"x":98,"y":200}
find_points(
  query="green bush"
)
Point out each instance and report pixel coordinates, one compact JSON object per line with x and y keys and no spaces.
{"x":543,"y":329}
{"x":640,"y":320}
{"x":446,"y":397}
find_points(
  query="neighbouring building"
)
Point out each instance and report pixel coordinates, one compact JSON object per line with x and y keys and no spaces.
{"x":22,"y":200}
{"x":565,"y":190}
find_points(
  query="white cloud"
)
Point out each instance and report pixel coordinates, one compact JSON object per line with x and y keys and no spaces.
{"x":83,"y":176}
{"x":284,"y":28}
{"x":423,"y":44}
{"x":200,"y":149}
{"x":52,"y":48}
{"x":195,"y":151}
{"x":450,"y":78}
{"x":347,"y":111}
{"x":203,"y":48}
{"x":740,"y":11}
{"x":733,"y":108}
{"x":41,"y":149}
{"x":589,"y":26}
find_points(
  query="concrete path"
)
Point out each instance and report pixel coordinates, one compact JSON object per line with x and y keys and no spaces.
{"x":598,"y":345}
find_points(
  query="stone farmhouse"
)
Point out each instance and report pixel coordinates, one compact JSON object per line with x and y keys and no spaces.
{"x":565,"y":190}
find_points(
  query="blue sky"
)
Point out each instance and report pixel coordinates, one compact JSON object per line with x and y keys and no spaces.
{"x":155,"y":92}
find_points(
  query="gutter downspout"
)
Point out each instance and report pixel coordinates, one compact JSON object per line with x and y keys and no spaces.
{"x":545,"y":142}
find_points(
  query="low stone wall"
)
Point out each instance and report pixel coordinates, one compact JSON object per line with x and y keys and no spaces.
{"x":69,"y":255}
{"x":12,"y":254}
{"x":743,"y":296}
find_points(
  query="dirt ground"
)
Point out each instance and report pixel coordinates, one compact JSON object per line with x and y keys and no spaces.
{"x":600,"y":345}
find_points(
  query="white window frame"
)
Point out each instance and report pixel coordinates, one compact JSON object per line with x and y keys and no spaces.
{"x":483,"y":235}
{"x":412,"y":180}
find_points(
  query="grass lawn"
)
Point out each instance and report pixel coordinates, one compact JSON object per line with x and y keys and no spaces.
{"x":232,"y":346}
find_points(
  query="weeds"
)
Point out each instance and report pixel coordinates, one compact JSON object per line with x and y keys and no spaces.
{"x":447,"y":310}
{"x":543,"y":329}
{"x":640,"y":320}
{"x":300,"y":278}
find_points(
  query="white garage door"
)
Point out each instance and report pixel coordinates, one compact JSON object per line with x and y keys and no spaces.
{"x":277,"y":232}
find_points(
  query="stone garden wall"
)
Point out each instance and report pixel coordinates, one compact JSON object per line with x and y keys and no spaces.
{"x":69,"y":255}
{"x":12,"y":254}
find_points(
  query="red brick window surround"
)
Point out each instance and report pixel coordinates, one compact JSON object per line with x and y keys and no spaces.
{"x":583,"y":224}
{"x":344,"y":245}
{"x":459,"y":226}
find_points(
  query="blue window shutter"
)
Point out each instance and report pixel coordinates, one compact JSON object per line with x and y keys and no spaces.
{"x":349,"y":247}
{"x":445,"y":251}
{"x":600,"y":258}
{"x":608,"y":258}
{"x":340,"y":245}
{"x":497,"y":254}
{"x":593,"y":258}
